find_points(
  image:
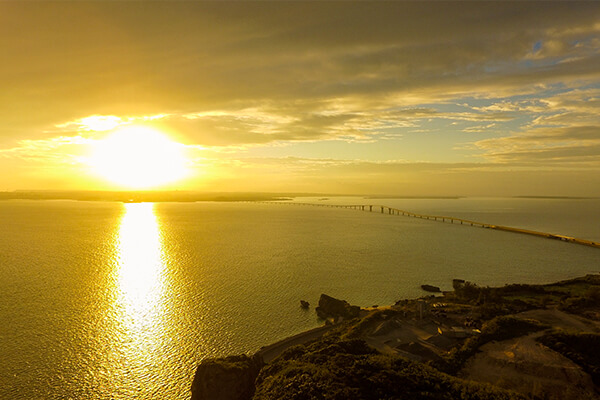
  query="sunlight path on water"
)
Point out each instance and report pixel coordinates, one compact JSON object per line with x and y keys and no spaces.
{"x":140,"y":294}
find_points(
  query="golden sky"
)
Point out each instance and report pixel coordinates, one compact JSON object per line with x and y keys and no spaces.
{"x":408,"y":98}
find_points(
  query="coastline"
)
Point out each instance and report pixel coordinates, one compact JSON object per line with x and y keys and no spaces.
{"x":504,"y":336}
{"x":271,"y":351}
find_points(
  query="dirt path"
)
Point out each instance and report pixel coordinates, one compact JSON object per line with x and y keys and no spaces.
{"x":561,"y":319}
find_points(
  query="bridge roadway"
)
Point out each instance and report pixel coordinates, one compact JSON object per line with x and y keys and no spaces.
{"x":394,"y":211}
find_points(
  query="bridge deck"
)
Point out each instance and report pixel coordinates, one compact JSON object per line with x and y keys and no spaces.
{"x":394,"y":211}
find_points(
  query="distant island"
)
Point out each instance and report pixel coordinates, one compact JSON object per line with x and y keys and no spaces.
{"x":391,"y":197}
{"x":512,"y":342}
{"x":556,"y":197}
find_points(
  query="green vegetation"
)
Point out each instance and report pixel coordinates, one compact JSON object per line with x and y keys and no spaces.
{"x":337,"y":369}
{"x":583,"y":349}
{"x":577,"y":296}
{"x":488,"y":303}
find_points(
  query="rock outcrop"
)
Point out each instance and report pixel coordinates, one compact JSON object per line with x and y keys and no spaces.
{"x":228,"y":378}
{"x":431,"y":288}
{"x":330,"y":307}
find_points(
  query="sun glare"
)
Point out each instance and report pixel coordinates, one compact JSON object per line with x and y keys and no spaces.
{"x":100,"y":122}
{"x":138,"y":158}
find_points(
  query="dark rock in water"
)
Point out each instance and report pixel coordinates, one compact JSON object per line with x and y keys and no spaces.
{"x":430,"y":288}
{"x":330,"y":307}
{"x":304,"y":304}
{"x":228,"y":378}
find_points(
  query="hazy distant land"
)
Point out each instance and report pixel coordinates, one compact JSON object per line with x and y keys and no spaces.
{"x":146,"y":196}
{"x":192,"y":196}
{"x":181,"y":196}
{"x":555,"y":197}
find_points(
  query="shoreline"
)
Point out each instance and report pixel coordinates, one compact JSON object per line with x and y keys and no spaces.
{"x":505,"y":336}
{"x":273,"y":350}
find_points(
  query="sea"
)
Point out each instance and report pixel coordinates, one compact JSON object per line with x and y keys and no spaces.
{"x":110,"y":300}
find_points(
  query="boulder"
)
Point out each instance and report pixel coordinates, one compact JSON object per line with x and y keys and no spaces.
{"x":228,"y":378}
{"x":304,"y":304}
{"x":330,"y":307}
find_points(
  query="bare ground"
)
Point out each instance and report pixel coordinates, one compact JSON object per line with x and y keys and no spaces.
{"x":528,"y":367}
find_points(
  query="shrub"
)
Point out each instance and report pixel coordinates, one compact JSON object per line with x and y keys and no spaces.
{"x":351,"y":370}
{"x":583,"y":349}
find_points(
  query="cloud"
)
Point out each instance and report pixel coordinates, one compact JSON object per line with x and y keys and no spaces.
{"x":399,"y":177}
{"x":128,"y":60}
{"x":547,"y":145}
{"x":62,"y":150}
{"x":265,"y":124}
{"x":224,"y":77}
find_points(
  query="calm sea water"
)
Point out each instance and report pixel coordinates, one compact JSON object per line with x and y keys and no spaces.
{"x":120,"y":301}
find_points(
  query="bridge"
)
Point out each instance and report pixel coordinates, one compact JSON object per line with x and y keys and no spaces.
{"x":452,"y":220}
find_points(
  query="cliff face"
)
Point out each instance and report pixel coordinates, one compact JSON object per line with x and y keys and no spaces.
{"x":229,"y":378}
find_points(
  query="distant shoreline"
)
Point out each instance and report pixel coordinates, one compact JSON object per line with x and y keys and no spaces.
{"x":146,"y":196}
{"x":150,"y":196}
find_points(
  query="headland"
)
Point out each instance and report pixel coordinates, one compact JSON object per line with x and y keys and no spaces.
{"x":511,"y":342}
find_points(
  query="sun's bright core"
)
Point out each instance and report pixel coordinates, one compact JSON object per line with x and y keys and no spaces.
{"x":138,"y":158}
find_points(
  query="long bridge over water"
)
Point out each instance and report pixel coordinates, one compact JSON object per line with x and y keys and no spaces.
{"x":452,"y":220}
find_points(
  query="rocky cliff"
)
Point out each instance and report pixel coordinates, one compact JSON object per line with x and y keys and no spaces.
{"x":228,"y":378}
{"x":330,"y":307}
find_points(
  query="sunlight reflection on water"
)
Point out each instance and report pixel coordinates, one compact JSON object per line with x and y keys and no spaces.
{"x":139,"y":293}
{"x":140,"y":261}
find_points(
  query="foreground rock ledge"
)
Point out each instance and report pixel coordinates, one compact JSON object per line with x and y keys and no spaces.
{"x":228,"y":378}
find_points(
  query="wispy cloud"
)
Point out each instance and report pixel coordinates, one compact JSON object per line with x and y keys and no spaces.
{"x":64,"y":150}
{"x":550,"y":145}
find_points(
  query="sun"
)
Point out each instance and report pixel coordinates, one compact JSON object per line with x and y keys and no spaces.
{"x":138,"y":157}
